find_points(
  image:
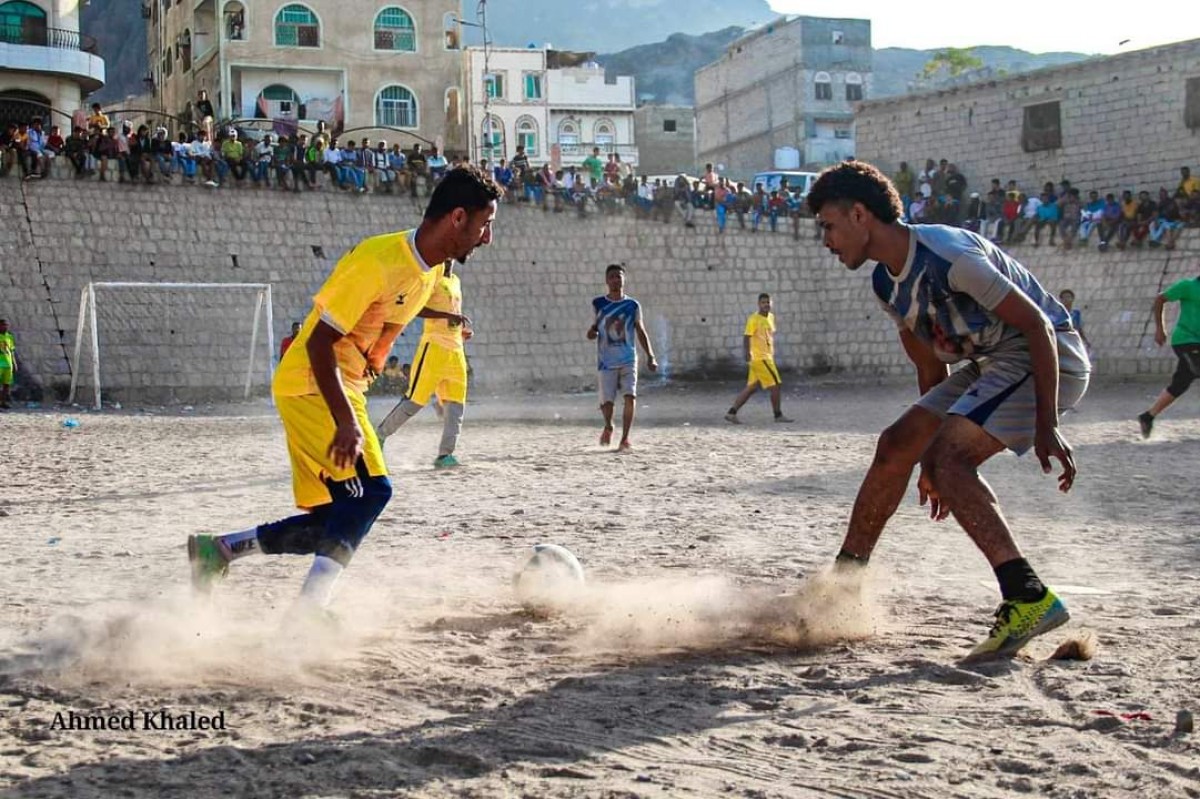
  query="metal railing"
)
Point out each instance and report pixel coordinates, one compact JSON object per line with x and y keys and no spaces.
{"x":40,"y":36}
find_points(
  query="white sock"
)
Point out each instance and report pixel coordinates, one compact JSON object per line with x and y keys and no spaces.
{"x":240,"y":544}
{"x":318,"y":585}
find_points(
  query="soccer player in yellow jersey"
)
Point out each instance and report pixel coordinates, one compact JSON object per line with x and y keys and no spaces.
{"x":759,"y":343}
{"x":338,"y":473}
{"x":439,"y":367}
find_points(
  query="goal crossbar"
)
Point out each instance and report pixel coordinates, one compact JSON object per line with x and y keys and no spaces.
{"x":87,"y":319}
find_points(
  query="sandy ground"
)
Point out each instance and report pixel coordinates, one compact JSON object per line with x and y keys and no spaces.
{"x":670,"y":675}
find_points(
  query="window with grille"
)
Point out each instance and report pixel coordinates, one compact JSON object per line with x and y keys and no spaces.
{"x":533,"y":86}
{"x":527,"y":136}
{"x":493,"y":84}
{"x":396,"y":107}
{"x":824,"y":86}
{"x":395,"y":30}
{"x":297,"y":26}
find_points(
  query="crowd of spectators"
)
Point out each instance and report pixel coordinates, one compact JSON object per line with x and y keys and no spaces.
{"x":1009,"y":215}
{"x":218,"y":156}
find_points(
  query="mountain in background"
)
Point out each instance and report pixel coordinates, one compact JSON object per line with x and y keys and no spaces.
{"x":649,"y":39}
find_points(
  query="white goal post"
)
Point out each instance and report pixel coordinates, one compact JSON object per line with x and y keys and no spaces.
{"x":88,"y":319}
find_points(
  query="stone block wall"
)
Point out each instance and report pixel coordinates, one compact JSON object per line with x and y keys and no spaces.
{"x":1122,"y":122}
{"x":529,"y":293}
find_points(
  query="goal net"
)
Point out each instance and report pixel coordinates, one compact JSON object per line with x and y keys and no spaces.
{"x":173,"y":342}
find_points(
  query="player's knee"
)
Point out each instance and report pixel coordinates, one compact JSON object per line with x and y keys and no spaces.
{"x":942,"y":459}
{"x":894,"y":449}
{"x":1180,"y":383}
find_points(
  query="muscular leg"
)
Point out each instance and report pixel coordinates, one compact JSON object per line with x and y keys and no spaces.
{"x":951,"y":463}
{"x":900,"y":447}
{"x":777,"y":399}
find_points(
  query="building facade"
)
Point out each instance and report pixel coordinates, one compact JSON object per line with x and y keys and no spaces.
{"x":666,"y":138}
{"x":559,"y":105}
{"x":792,"y":84}
{"x":353,"y":65}
{"x":47,"y":67}
{"x":1127,"y":121}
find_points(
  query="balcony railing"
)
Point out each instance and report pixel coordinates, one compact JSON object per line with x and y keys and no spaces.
{"x":41,"y":36}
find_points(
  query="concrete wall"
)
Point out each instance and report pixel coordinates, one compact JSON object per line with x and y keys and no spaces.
{"x":529,"y":293}
{"x":663,"y":152}
{"x":761,"y":94}
{"x":1122,"y":121}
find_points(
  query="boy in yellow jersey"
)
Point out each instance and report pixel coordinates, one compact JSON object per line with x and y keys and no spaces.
{"x":759,"y":344}
{"x":338,"y":473}
{"x":8,"y":362}
{"x":439,"y":367}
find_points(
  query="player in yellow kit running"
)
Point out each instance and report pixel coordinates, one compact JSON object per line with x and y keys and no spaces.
{"x":338,"y":473}
{"x":439,"y":367}
{"x":759,"y":344}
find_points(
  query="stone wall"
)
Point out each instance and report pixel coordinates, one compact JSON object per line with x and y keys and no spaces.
{"x":1122,"y":124}
{"x":529,"y":293}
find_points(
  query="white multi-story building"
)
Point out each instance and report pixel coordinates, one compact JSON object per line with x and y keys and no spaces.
{"x":559,"y":105}
{"x":46,"y":66}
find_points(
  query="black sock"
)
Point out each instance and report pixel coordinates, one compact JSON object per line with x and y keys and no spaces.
{"x":732,"y":411}
{"x":845,"y":558}
{"x":1018,"y":581}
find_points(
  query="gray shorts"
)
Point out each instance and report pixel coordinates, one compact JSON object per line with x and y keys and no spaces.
{"x":1000,"y":398}
{"x":621,"y":380}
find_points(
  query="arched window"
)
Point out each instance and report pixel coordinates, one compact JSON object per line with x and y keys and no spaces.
{"x":297,"y":26}
{"x":18,"y":106}
{"x":527,"y":135}
{"x":278,"y":101}
{"x":395,"y":30}
{"x":234,"y":17}
{"x":492,"y":137}
{"x":185,"y":49}
{"x":605,"y":136}
{"x":396,"y":107}
{"x":568,"y":136}
{"x":824,"y":86}
{"x":22,"y":23}
{"x":854,"y":86}
{"x":451,"y":31}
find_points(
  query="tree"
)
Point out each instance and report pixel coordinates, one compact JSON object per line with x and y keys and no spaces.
{"x":953,"y":61}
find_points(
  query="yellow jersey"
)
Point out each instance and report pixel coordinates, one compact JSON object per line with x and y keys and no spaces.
{"x":761,"y":330}
{"x":447,"y":298}
{"x":381,"y":281}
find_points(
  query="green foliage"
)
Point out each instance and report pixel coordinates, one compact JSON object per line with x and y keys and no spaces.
{"x":952,"y":61}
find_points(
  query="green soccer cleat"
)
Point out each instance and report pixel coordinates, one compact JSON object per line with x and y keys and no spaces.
{"x":445,"y":462}
{"x":208,"y":559}
{"x":1017,"y":622}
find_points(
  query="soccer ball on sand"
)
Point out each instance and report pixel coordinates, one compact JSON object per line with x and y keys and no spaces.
{"x":550,"y":580}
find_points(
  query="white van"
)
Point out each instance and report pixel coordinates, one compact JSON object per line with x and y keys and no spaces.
{"x":797,"y":181}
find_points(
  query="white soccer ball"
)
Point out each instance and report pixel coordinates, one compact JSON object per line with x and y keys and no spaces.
{"x":550,"y":581}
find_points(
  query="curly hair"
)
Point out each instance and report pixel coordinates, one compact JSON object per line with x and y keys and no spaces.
{"x":857,"y":182}
{"x":465,"y":186}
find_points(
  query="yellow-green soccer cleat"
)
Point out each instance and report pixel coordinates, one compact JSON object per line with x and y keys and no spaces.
{"x":209,"y":561}
{"x":1018,"y":621}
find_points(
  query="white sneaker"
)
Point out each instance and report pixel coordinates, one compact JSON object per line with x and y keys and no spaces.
{"x":212,"y":184}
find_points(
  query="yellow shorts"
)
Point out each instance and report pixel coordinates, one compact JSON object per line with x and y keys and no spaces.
{"x":763,"y":373}
{"x":309,"y":427}
{"x":438,"y":370}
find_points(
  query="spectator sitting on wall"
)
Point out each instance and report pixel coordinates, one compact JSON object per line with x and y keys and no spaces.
{"x":1091,"y":217}
{"x":1188,"y":185}
{"x":260,"y":169}
{"x":612,"y":170}
{"x":162,"y":153}
{"x":1145,"y":213}
{"x":926,"y":177}
{"x":333,"y":164}
{"x":711,"y":177}
{"x":353,"y":175}
{"x":314,"y":161}
{"x":35,"y":150}
{"x":417,"y":166}
{"x":1168,"y":224}
{"x":973,"y":216}
{"x":233,"y":151}
{"x":776,"y":207}
{"x":142,"y":152}
{"x":437,"y":165}
{"x":55,"y":144}
{"x":993,"y":212}
{"x":683,"y":200}
{"x":1011,"y":213}
{"x":1071,"y":215}
{"x":8,"y":148}
{"x":201,"y":152}
{"x":1110,"y":221}
{"x":939,"y":178}
{"x":1129,"y":206}
{"x":281,"y":162}
{"x":503,"y":176}
{"x":918,"y":210}
{"x":75,"y":150}
{"x":1048,"y":215}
